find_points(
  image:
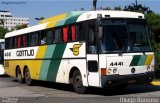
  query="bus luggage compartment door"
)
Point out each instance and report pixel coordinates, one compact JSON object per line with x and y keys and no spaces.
{"x":93,"y":72}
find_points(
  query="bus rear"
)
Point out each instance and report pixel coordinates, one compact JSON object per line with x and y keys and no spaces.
{"x":1,"y":56}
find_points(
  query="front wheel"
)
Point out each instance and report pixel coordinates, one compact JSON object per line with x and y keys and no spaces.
{"x":77,"y":83}
{"x":28,"y":79}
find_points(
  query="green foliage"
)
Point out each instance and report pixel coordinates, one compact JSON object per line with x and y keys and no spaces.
{"x":138,"y":8}
{"x":154,"y":22}
{"x":117,"y":8}
{"x":2,"y":21}
{"x":18,"y":27}
{"x":3,"y":31}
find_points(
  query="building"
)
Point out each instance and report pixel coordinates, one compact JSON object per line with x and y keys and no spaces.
{"x":7,"y":20}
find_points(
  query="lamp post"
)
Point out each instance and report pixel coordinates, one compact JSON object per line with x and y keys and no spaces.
{"x":41,"y":18}
{"x":94,"y":4}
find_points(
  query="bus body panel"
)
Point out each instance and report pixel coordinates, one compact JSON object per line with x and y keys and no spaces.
{"x":48,"y":63}
{"x":126,"y":64}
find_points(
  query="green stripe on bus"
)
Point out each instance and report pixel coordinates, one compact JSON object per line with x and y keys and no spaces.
{"x":71,"y":20}
{"x":54,"y":64}
{"x":46,"y":63}
{"x":61,"y":22}
{"x":135,"y":60}
{"x":142,"y":60}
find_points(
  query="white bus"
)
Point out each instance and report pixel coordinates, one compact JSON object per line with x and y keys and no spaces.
{"x":83,"y":48}
{"x":1,"y":56}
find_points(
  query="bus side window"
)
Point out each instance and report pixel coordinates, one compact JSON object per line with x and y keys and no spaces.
{"x":10,"y":43}
{"x":65,"y":34}
{"x":80,"y":32}
{"x":73,"y":32}
{"x":23,"y":41}
{"x":28,"y":40}
{"x":14,"y":40}
{"x":50,"y":36}
{"x":91,"y":39}
{"x":43,"y":37}
{"x":58,"y":35}
{"x":34,"y":38}
{"x":18,"y":42}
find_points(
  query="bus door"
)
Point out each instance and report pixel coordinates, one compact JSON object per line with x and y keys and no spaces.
{"x":92,"y":58}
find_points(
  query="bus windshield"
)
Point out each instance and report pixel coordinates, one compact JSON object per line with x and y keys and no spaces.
{"x":124,"y":35}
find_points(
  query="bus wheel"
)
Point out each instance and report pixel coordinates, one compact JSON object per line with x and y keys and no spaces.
{"x":77,"y":83}
{"x":19,"y":75}
{"x":27,"y":76}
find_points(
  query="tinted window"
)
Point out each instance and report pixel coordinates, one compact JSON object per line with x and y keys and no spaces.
{"x":58,"y":36}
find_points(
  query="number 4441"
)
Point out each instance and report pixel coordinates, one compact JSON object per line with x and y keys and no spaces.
{"x":116,"y":64}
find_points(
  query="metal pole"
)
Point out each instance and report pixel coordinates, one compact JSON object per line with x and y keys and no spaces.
{"x":94,"y":4}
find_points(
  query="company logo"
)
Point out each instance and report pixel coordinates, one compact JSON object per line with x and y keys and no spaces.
{"x":75,"y":49}
{"x":133,"y":70}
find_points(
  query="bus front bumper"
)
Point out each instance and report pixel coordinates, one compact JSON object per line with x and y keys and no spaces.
{"x":115,"y":80}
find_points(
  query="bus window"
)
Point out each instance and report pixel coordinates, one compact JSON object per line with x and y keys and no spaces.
{"x":23,"y":41}
{"x":50,"y":36}
{"x":65,"y":34}
{"x":80,"y":32}
{"x":27,"y":40}
{"x":73,"y":32}
{"x":18,"y":41}
{"x":43,"y":37}
{"x":91,"y":39}
{"x":34,"y":39}
{"x":58,"y":36}
{"x":14,"y":42}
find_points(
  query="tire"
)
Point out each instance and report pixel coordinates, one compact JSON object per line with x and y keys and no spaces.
{"x":19,"y":76}
{"x":77,"y":83}
{"x":27,"y":76}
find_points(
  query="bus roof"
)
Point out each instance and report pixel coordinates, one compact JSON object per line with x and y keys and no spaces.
{"x":73,"y":17}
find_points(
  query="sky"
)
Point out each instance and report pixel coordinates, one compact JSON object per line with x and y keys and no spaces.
{"x":46,"y":8}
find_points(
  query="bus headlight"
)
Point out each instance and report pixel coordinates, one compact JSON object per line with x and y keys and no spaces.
{"x":109,"y":71}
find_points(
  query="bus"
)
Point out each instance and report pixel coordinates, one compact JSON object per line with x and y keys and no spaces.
{"x":1,"y":56}
{"x":83,"y":48}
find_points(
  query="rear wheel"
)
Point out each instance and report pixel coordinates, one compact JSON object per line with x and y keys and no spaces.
{"x":27,"y":76}
{"x":77,"y":83}
{"x":19,"y":75}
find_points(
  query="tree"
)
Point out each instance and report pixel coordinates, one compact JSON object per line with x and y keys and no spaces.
{"x":138,"y":8}
{"x":117,"y":8}
{"x":20,"y":27}
{"x":2,"y":21}
{"x":154,"y":22}
{"x":3,"y":31}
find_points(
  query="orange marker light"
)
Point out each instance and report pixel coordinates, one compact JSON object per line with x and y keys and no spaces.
{"x":103,"y":71}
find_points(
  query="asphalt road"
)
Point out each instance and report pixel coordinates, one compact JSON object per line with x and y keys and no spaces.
{"x":46,"y":92}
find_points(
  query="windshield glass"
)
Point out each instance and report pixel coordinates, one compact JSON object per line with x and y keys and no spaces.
{"x":124,"y":35}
